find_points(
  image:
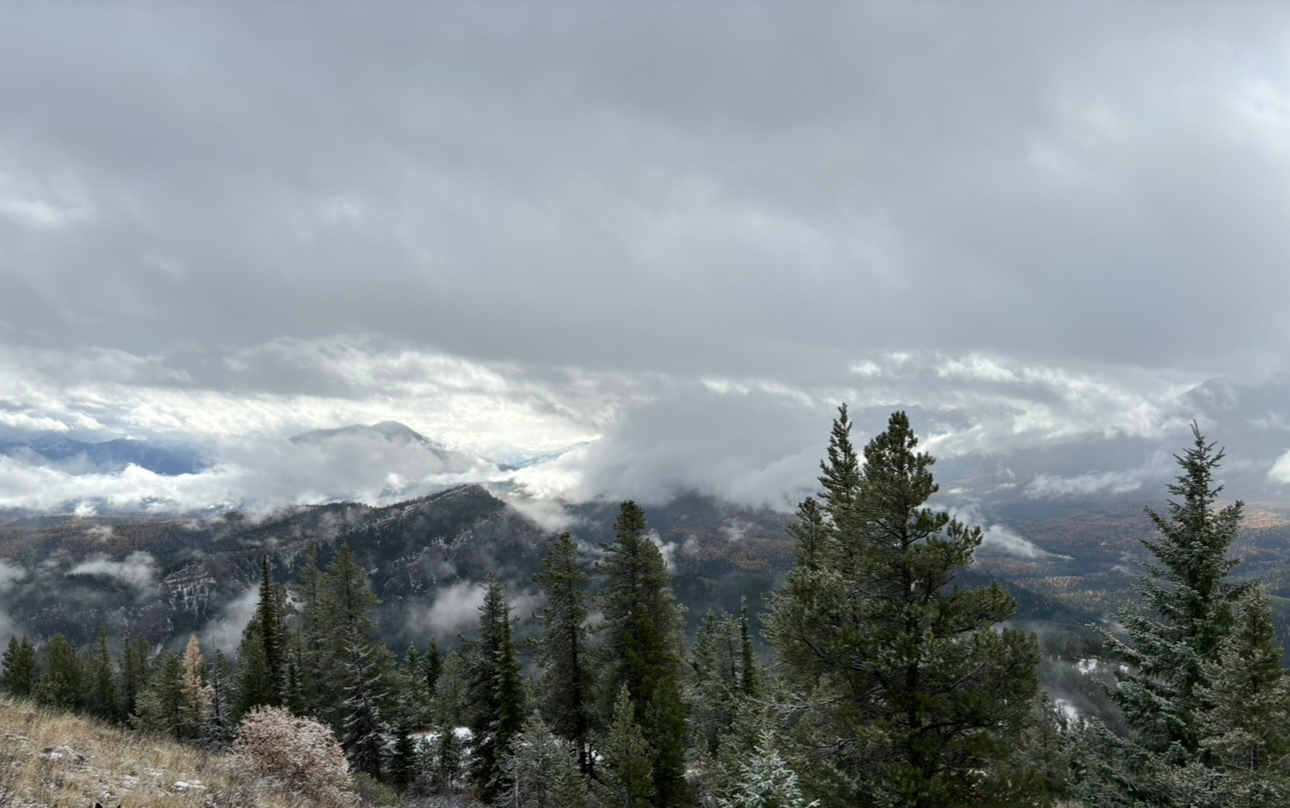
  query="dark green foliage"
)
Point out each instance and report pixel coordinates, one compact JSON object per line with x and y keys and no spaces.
{"x":20,"y":668}
{"x":254,"y":681}
{"x":219,"y":725}
{"x":567,"y":683}
{"x":496,"y":693}
{"x":749,"y":676}
{"x":431,"y":667}
{"x":642,"y":641}
{"x":165,"y":707}
{"x":272,"y":638}
{"x":625,"y":777}
{"x":716,"y":680}
{"x":542,"y":771}
{"x":404,"y":758}
{"x":363,"y":731}
{"x":905,"y":691}
{"x":60,"y":680}
{"x":100,"y":685}
{"x":136,"y":657}
{"x":1245,"y":721}
{"x":1187,"y":600}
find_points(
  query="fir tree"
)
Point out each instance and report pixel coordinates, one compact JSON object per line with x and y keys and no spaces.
{"x":910,"y":692}
{"x":715,"y":689}
{"x":542,"y":772}
{"x":1187,"y":600}
{"x":20,"y":667}
{"x":431,"y":668}
{"x":765,"y":780}
{"x":219,"y":727}
{"x":566,"y":685}
{"x":1245,"y":723}
{"x":363,"y":734}
{"x":100,"y":694}
{"x":642,"y":631}
{"x":404,"y":759}
{"x":496,"y":692}
{"x":60,"y":681}
{"x":749,"y":680}
{"x":164,"y":707}
{"x":625,"y":778}
{"x":269,"y":617}
{"x":136,"y":659}
{"x":254,"y":682}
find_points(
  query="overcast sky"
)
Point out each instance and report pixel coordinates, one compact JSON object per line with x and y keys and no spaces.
{"x":682,"y":232}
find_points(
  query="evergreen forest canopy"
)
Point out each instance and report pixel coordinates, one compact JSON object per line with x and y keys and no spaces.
{"x":893,"y":680}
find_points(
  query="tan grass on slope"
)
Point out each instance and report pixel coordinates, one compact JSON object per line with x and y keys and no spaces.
{"x":57,"y":760}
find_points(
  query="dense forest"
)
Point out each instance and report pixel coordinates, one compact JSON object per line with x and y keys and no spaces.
{"x":892,"y":679}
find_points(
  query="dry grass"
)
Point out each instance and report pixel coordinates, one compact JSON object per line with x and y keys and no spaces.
{"x":62,"y":761}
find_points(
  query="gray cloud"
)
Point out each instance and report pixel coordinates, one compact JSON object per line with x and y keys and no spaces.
{"x":137,"y":571}
{"x":517,"y":231}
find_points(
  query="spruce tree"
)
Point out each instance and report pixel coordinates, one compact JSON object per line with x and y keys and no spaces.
{"x":642,"y":640}
{"x":164,"y":707}
{"x":1245,"y":722}
{"x":20,"y":672}
{"x":136,"y":659}
{"x":715,"y":690}
{"x":567,"y":682}
{"x":219,"y":723}
{"x":269,"y":615}
{"x":542,"y":771}
{"x":496,"y":692}
{"x":1187,"y":600}
{"x":749,"y":677}
{"x":100,"y":685}
{"x":60,"y":681}
{"x":254,"y":683}
{"x":905,"y":688}
{"x":363,"y":728}
{"x":404,"y":758}
{"x":625,"y":778}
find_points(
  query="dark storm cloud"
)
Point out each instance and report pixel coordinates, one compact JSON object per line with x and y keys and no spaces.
{"x":681,"y":235}
{"x":756,"y":192}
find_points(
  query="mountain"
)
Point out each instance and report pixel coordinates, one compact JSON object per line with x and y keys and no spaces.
{"x":393,"y":435}
{"x":81,"y":457}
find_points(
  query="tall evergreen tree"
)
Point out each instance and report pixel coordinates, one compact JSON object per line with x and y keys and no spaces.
{"x":1245,"y":723}
{"x":911,"y":690}
{"x":715,"y":688}
{"x":164,"y":707}
{"x":20,"y":672}
{"x":496,"y":692}
{"x":363,"y":736}
{"x":219,"y":721}
{"x":100,"y":685}
{"x":136,"y":659}
{"x":749,"y":678}
{"x":269,"y":614}
{"x":1187,"y":598}
{"x":60,"y":681}
{"x":567,"y":682}
{"x":254,"y":683}
{"x":625,"y":779}
{"x":642,"y":639}
{"x":542,"y":771}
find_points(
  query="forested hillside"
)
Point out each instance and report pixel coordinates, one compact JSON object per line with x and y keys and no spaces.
{"x":455,"y":650}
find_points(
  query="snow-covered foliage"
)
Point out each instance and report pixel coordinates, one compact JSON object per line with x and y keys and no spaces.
{"x":765,"y":781}
{"x":300,"y":753}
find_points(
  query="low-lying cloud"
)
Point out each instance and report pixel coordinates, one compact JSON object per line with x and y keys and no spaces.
{"x":137,"y":571}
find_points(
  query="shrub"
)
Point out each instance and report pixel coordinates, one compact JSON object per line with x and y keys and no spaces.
{"x":300,"y":753}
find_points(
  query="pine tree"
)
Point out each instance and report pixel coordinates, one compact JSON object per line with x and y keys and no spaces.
{"x":642,"y":630}
{"x":567,"y":682}
{"x":909,"y":690}
{"x":254,"y":683}
{"x":1245,"y":723}
{"x":60,"y":681}
{"x":749,"y":678}
{"x":542,"y":772}
{"x":431,"y":668}
{"x":20,"y":667}
{"x":1187,"y":600}
{"x":363,"y":733}
{"x":164,"y":707}
{"x":404,"y":759}
{"x":625,"y":778}
{"x":715,"y":689}
{"x":219,"y":725}
{"x":269,"y":616}
{"x":136,"y":659}
{"x":496,"y":692}
{"x":100,"y":685}
{"x":765,"y":780}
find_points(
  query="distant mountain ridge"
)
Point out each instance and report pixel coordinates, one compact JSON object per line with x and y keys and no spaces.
{"x":83,"y":457}
{"x":393,"y":432}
